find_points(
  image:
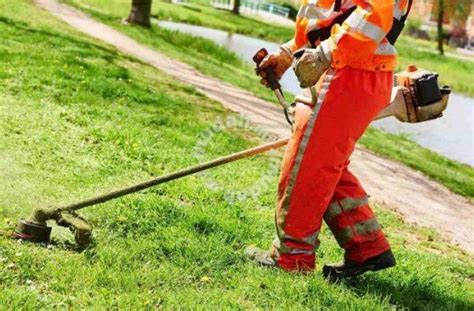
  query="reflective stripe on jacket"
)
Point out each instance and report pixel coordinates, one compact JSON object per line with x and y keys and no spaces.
{"x":360,"y":41}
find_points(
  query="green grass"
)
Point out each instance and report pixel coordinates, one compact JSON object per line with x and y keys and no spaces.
{"x":201,"y":14}
{"x":215,"y":61}
{"x":205,"y":15}
{"x":77,"y":119}
{"x":206,"y":56}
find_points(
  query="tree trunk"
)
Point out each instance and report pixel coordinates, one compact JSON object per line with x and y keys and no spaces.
{"x":140,"y":13}
{"x":440,"y":26}
{"x":236,"y":7}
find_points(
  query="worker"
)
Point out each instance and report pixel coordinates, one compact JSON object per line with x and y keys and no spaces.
{"x":351,"y":62}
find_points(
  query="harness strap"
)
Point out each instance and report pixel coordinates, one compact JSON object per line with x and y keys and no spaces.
{"x":398,"y":25}
{"x":404,"y":17}
{"x":325,"y":32}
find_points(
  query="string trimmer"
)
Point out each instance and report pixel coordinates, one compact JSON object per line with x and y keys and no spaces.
{"x":35,"y":228}
{"x":416,"y":98}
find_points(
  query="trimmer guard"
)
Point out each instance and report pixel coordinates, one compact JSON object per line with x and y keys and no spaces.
{"x":78,"y":225}
{"x":32,"y":232}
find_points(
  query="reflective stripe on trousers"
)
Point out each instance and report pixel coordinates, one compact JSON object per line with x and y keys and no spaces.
{"x":345,"y":231}
{"x":352,"y":221}
{"x":309,"y":241}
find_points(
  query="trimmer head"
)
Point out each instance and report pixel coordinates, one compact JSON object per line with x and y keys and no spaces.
{"x":33,"y":232}
{"x":36,"y":230}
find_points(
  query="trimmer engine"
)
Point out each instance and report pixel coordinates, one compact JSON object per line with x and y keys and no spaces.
{"x":417,"y":96}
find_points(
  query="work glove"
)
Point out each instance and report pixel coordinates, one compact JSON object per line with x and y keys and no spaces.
{"x":279,"y":62}
{"x":311,"y":65}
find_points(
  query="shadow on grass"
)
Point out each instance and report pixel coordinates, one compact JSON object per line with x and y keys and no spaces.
{"x":191,"y":8}
{"x":52,"y":245}
{"x":58,"y":40}
{"x":414,"y":295}
{"x":110,"y":53}
{"x":27,"y":28}
{"x":244,"y":18}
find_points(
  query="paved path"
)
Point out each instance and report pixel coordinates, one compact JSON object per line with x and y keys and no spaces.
{"x":417,"y":197}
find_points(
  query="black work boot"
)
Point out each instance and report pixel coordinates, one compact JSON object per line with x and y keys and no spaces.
{"x":350,"y":269}
{"x":260,"y":257}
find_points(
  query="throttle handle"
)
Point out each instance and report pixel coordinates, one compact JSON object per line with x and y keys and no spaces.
{"x":271,"y":77}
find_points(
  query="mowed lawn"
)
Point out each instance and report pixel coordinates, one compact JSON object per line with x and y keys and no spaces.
{"x":77,"y":119}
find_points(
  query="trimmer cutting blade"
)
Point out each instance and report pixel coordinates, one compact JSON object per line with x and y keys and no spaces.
{"x":35,"y":229}
{"x":33,"y":232}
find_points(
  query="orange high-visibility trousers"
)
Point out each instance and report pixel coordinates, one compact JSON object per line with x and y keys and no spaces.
{"x":315,"y":182}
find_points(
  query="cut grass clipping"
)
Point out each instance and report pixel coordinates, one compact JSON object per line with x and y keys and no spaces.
{"x":77,"y":119}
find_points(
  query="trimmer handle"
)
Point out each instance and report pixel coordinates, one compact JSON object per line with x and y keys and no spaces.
{"x":271,"y":78}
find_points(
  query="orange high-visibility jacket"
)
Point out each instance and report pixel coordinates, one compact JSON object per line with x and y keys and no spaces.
{"x":360,"y":41}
